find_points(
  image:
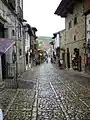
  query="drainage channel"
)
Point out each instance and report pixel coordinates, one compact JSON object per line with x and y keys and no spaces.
{"x":60,"y":103}
{"x":75,"y":94}
{"x":35,"y":107}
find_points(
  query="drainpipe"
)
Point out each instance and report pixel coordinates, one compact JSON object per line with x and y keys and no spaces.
{"x":85,"y":40}
{"x":16,"y":54}
{"x":85,"y":34}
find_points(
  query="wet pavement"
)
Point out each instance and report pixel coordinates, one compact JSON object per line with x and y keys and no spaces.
{"x":48,"y":93}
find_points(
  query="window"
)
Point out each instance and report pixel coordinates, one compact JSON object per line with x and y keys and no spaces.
{"x":6,"y":32}
{"x":74,"y":37}
{"x":13,"y":33}
{"x":20,"y":52}
{"x":89,"y":21}
{"x":70,"y":24}
{"x":75,"y":20}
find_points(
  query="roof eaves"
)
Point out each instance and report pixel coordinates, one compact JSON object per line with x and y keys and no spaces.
{"x":65,"y":7}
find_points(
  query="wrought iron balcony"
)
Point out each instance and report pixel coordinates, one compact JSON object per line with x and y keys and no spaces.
{"x":12,"y":4}
{"x":20,"y":13}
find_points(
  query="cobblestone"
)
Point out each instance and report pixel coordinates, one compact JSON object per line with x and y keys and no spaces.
{"x":56,"y":95}
{"x":5,"y":97}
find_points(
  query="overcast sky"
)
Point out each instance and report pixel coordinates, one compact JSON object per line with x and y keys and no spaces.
{"x":40,"y":14}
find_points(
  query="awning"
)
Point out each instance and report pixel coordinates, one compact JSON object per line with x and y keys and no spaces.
{"x":30,"y":31}
{"x":5,"y":45}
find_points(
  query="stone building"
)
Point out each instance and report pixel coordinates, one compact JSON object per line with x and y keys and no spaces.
{"x":72,"y":11}
{"x":87,"y":18}
{"x":62,"y":45}
{"x":33,"y":46}
{"x":11,"y":35}
{"x":28,"y":35}
{"x":55,"y":43}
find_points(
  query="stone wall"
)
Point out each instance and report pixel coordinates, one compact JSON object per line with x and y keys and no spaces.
{"x":14,"y":24}
{"x":75,"y":36}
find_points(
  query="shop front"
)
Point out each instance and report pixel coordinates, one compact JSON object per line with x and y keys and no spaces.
{"x":76,"y":60}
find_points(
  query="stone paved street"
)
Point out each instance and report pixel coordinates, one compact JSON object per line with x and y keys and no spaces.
{"x":51,"y":94}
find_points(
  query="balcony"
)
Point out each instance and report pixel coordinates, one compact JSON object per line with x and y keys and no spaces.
{"x":12,"y":4}
{"x":20,"y":13}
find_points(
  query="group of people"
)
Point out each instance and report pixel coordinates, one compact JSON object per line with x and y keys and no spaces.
{"x":58,"y":61}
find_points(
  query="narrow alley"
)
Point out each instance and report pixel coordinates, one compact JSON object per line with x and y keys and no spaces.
{"x":51,"y":94}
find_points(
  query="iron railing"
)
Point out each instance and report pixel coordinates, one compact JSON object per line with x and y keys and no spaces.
{"x":11,"y":70}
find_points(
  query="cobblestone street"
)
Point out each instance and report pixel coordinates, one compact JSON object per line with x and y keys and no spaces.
{"x":48,"y":93}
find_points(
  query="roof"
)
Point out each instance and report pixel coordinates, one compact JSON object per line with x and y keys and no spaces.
{"x":65,"y":7}
{"x":5,"y":44}
{"x":34,"y":29}
{"x":30,"y":31}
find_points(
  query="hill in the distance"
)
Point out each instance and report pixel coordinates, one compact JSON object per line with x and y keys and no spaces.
{"x":45,"y":41}
{"x":43,"y":38}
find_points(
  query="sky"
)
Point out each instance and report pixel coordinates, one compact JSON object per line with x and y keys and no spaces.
{"x":40,"y":14}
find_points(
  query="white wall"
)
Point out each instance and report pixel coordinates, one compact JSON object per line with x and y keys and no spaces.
{"x":27,"y":42}
{"x":57,"y":41}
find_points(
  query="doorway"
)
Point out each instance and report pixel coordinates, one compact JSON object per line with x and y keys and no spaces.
{"x":68,"y":58}
{"x":1,"y":30}
{"x":3,"y":62}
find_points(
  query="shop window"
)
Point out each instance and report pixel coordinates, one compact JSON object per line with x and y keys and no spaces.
{"x":70,"y":24}
{"x":75,"y":20}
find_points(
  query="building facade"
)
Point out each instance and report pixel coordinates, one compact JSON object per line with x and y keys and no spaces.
{"x":11,"y":36}
{"x":87,"y":18}
{"x":75,"y":33}
{"x":28,"y":33}
{"x":63,"y":46}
